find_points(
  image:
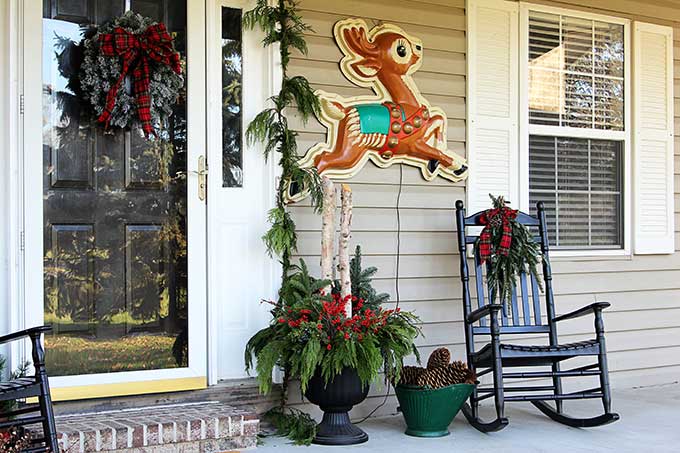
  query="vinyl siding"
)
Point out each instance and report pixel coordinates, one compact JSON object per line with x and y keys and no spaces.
{"x":644,"y":321}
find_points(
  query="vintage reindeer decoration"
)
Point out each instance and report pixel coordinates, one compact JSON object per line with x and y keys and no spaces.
{"x":396,"y":126}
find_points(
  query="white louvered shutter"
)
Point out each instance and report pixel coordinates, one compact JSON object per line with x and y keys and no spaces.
{"x":653,"y":139}
{"x":492,"y":96}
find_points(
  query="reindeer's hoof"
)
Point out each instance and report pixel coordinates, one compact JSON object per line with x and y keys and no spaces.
{"x":432,"y":165}
{"x":461,"y":170}
{"x":294,"y":189}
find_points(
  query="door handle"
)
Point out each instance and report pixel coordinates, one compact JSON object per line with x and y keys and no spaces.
{"x":202,"y":174}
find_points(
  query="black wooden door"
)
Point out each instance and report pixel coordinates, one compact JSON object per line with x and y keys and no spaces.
{"x":114,"y":210}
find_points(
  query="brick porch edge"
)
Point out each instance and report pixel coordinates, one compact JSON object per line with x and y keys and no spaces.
{"x":206,"y":427}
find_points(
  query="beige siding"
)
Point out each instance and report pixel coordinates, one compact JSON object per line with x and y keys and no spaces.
{"x":644,"y":321}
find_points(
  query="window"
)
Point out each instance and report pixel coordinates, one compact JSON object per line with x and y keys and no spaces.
{"x":232,"y":121}
{"x":550,"y":118}
{"x":577,"y":131}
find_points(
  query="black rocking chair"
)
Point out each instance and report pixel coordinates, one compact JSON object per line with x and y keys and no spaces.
{"x":28,"y":387}
{"x":492,"y":320}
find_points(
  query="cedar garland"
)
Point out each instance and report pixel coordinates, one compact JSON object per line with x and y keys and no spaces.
{"x":283,"y":25}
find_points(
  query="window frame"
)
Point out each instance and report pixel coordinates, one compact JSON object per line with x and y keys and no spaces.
{"x":526,"y":129}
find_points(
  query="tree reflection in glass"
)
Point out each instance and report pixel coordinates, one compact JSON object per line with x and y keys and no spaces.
{"x":232,"y":123}
{"x":576,"y":72}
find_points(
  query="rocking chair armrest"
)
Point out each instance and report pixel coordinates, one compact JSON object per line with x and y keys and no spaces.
{"x":33,"y":332}
{"x":592,"y":308}
{"x":486,"y":310}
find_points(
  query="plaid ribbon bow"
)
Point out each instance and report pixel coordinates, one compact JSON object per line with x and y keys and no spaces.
{"x":136,"y":51}
{"x":493,"y":218}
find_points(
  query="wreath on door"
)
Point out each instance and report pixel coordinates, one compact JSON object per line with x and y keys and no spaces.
{"x":131,"y":73}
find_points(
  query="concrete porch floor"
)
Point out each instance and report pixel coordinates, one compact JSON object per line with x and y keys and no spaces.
{"x":650,"y":423}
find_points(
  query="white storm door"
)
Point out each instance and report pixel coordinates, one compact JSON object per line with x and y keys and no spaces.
{"x":115,"y":256}
{"x":240,"y":188}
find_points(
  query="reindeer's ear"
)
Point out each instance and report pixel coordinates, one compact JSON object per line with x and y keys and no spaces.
{"x":366,"y":63}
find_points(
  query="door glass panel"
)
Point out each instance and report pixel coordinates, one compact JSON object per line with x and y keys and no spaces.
{"x":115,"y":213}
{"x":232,"y":73}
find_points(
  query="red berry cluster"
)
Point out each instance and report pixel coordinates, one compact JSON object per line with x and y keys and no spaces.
{"x":334,"y":324}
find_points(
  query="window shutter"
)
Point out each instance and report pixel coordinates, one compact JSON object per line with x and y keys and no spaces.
{"x":492,"y":98}
{"x":653,"y":139}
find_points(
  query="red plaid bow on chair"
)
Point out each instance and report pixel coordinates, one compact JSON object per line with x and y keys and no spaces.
{"x":491,"y":219}
{"x":136,"y":51}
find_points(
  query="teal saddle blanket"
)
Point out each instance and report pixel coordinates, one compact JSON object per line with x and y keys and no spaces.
{"x":374,"y":118}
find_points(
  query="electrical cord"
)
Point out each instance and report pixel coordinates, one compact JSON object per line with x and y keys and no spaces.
{"x":396,"y":283}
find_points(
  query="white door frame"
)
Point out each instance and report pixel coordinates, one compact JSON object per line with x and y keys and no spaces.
{"x":258,"y":86}
{"x":15,"y":293}
{"x":29,"y":310}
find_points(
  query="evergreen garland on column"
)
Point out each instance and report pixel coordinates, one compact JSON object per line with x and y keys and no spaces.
{"x":283,"y":25}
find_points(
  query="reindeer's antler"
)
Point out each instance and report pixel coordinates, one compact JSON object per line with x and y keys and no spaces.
{"x":362,"y":53}
{"x":356,"y":39}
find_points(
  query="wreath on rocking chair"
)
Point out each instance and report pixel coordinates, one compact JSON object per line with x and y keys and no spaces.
{"x":509,"y":249}
{"x":131,"y":73}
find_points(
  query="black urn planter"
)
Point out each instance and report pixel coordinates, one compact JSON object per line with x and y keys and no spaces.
{"x":335,"y":400}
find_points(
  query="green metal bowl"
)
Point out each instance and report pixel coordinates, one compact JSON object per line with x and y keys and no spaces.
{"x":428,"y":412}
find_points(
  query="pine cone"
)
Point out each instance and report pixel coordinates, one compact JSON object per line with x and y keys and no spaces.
{"x":467,"y":376}
{"x":440,"y":357}
{"x":454,"y":373}
{"x":410,"y":375}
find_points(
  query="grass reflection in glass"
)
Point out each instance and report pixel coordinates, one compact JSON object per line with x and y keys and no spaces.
{"x":77,"y":355}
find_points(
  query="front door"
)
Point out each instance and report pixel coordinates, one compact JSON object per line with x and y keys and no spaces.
{"x":122,"y":221}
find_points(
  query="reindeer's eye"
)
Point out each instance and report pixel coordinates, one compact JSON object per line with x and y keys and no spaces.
{"x":401,"y":51}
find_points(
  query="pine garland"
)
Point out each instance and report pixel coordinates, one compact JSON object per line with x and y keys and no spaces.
{"x":283,"y":25}
{"x":292,"y":423}
{"x":523,"y":253}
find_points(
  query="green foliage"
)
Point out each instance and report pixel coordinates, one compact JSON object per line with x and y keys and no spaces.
{"x":99,"y":72}
{"x":282,"y":24}
{"x":281,"y":238}
{"x":293,"y":424}
{"x":362,"y":282}
{"x":21,"y":371}
{"x":524,"y":253}
{"x":311,"y":331}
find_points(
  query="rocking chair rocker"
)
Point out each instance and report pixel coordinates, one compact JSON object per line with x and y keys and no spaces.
{"x":491,"y":319}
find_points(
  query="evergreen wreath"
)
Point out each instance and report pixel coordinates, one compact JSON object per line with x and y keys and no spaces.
{"x":283,"y":25}
{"x":509,"y":248}
{"x":101,"y":72}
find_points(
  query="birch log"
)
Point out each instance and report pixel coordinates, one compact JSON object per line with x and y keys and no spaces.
{"x":343,"y":244}
{"x":327,"y":230}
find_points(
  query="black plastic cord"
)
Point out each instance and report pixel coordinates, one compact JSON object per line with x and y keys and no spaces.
{"x":396,"y":279}
{"x":396,"y":282}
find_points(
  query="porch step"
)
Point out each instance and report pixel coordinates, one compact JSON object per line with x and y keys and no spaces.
{"x":203,"y":427}
{"x":238,"y":393}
